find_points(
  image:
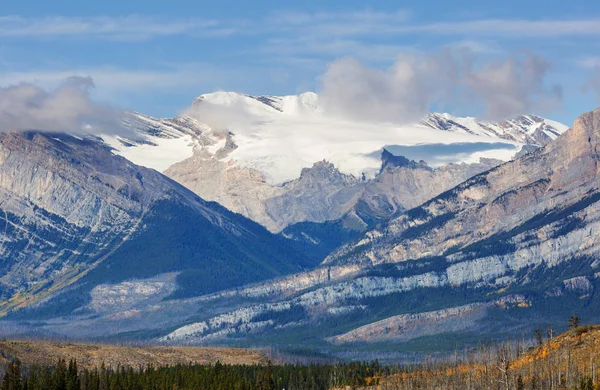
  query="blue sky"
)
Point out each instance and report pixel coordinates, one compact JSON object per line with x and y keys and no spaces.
{"x":156,"y":56}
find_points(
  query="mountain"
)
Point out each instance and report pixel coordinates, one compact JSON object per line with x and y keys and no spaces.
{"x":264,"y":156}
{"x":322,"y":193}
{"x":525,"y":129}
{"x":278,"y":136}
{"x":516,"y":206}
{"x":509,"y":250}
{"x":75,"y":215}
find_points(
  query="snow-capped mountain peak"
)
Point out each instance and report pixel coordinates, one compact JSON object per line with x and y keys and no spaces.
{"x":278,"y":136}
{"x":302,"y":104}
{"x":526,"y":129}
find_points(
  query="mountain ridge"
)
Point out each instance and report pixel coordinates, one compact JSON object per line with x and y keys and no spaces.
{"x":506,"y":249}
{"x":250,"y":153}
{"x":75,"y":213}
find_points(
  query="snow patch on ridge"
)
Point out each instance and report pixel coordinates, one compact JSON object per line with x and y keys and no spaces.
{"x":157,"y":153}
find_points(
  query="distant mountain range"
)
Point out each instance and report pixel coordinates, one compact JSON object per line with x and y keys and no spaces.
{"x":276,"y":153}
{"x":361,"y":248}
{"x":514,"y":248}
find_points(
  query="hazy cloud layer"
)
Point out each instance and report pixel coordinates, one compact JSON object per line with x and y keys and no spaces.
{"x":128,"y":27}
{"x":593,"y":83}
{"x":119,"y":79}
{"x":324,"y":24}
{"x":514,"y":28}
{"x":418,"y":82}
{"x":512,"y":87}
{"x":349,"y":23}
{"x":67,"y":108}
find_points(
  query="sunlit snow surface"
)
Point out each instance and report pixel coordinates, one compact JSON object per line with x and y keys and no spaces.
{"x":279,"y":136}
{"x":282,"y":147}
{"x":160,"y":154}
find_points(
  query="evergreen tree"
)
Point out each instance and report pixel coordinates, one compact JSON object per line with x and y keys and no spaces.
{"x":269,"y":384}
{"x":12,"y":379}
{"x":72,"y":381}
{"x":539,"y":338}
{"x":574,"y":322}
{"x":60,"y":375}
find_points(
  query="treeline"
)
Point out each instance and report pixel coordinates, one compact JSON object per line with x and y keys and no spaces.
{"x":219,"y":376}
{"x":570,"y":361}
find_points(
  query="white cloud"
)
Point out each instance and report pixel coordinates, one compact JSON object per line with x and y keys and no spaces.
{"x":131,"y":27}
{"x":67,"y":108}
{"x":338,"y":24}
{"x":327,"y":25}
{"x":306,"y":41}
{"x":508,"y":28}
{"x":400,"y":94}
{"x":418,"y":82}
{"x":590,"y":62}
{"x":592,"y":83}
{"x":511,"y":87}
{"x":114,"y":79}
{"x":372,"y":22}
{"x":475,"y":46}
{"x":377,"y":36}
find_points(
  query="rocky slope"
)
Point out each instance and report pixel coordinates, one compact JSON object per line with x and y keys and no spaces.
{"x":509,"y":249}
{"x":74,"y":214}
{"x":321,"y":193}
{"x":518,"y":206}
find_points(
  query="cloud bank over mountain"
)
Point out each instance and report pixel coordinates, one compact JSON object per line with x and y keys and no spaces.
{"x":418,"y":82}
{"x":67,"y":108}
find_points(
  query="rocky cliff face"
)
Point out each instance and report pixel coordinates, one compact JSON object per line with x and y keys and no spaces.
{"x":64,"y":204}
{"x":75,"y":214}
{"x":213,"y":177}
{"x":321,"y":193}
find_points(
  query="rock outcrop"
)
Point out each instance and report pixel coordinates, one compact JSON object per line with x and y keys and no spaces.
{"x":322,"y":193}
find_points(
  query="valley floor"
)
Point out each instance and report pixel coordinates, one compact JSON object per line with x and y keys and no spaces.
{"x":568,"y":361}
{"x":94,"y":355}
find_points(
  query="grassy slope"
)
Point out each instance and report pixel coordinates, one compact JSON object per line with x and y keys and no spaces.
{"x":581,"y":344}
{"x":576,"y":350}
